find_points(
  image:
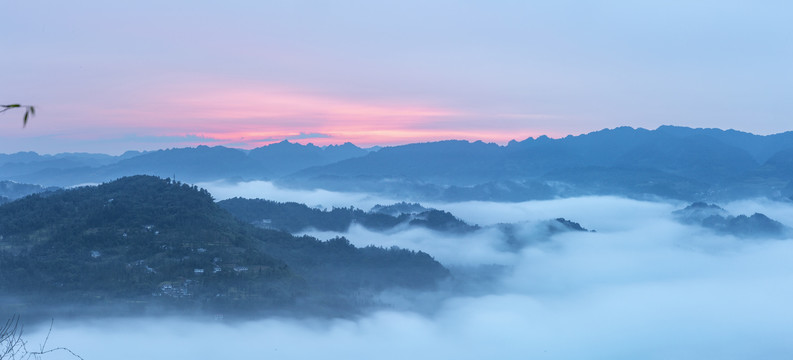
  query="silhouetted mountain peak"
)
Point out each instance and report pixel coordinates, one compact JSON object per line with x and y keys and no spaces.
{"x":714,"y":217}
{"x":698,"y":211}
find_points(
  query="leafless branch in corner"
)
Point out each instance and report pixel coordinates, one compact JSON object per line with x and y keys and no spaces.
{"x":14,"y":347}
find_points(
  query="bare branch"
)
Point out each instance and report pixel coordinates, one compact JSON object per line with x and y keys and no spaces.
{"x":14,"y":347}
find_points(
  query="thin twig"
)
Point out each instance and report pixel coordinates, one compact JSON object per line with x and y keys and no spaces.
{"x":57,"y":349}
{"x":15,"y":347}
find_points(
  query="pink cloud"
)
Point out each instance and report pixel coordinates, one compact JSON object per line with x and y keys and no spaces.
{"x":251,"y":115}
{"x":247,"y":114}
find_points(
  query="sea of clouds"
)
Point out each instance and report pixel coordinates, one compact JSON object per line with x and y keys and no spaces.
{"x":643,"y":286}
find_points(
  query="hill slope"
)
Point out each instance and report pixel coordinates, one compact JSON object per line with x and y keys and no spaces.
{"x":146,"y":243}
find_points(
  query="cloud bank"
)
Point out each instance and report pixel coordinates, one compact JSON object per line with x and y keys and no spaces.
{"x":642,"y":287}
{"x":222,"y":190}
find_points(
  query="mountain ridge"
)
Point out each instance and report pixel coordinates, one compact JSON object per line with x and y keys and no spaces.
{"x":674,"y":162}
{"x":669,"y":162}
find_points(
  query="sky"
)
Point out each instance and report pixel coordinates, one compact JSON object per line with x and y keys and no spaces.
{"x":115,"y":76}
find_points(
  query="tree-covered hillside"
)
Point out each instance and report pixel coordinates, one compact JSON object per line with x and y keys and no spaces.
{"x":145,"y":242}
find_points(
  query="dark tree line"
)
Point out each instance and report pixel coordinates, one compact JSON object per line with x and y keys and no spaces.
{"x":142,"y":242}
{"x":293,"y":217}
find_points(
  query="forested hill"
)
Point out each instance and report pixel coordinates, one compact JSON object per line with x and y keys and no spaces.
{"x":146,"y":243}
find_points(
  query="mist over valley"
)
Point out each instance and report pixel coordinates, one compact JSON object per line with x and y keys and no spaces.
{"x":644,"y":282}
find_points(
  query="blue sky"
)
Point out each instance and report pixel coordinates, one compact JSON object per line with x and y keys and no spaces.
{"x":108,"y":77}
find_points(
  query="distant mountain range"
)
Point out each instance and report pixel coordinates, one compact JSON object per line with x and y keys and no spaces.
{"x":201,"y":163}
{"x":670,"y":162}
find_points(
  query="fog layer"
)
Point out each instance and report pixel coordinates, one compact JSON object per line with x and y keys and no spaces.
{"x":642,"y":287}
{"x":222,"y":190}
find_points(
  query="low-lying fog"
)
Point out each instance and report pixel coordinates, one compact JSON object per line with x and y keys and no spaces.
{"x":642,"y":287}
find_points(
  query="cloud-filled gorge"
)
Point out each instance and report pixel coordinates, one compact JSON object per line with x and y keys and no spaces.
{"x":643,"y":286}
